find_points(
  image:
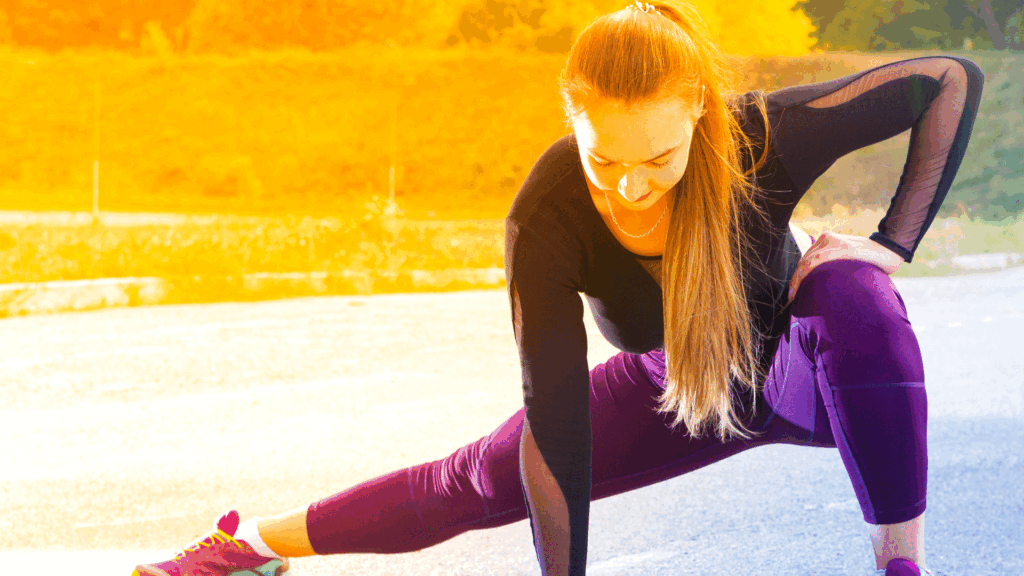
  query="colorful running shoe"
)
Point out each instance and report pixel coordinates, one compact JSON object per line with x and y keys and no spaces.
{"x":217,"y":554}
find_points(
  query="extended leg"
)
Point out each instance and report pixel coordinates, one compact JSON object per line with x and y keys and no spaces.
{"x":479,"y":486}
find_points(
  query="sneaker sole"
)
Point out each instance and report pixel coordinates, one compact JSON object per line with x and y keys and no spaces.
{"x":271,"y":568}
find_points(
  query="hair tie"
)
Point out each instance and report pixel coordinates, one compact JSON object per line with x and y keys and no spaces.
{"x":645,"y":7}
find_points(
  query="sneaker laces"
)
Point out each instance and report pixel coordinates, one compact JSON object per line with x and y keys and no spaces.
{"x":218,"y":537}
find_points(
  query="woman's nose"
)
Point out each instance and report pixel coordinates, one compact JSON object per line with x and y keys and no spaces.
{"x":633,"y":184}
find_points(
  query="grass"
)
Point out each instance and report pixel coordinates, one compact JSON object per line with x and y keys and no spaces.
{"x":382,"y":241}
{"x":946,"y":238}
{"x":207,"y":258}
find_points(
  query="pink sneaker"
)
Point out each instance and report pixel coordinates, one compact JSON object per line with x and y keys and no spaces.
{"x":217,"y":554}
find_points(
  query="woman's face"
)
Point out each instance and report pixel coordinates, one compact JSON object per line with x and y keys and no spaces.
{"x":637,"y":154}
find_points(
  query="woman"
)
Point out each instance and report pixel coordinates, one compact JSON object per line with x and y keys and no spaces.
{"x":668,"y":206}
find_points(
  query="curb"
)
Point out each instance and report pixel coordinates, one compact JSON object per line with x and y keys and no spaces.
{"x":996,"y":261}
{"x":78,"y":295}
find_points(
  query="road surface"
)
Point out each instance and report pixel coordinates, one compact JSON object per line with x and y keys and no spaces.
{"x":126,"y":432}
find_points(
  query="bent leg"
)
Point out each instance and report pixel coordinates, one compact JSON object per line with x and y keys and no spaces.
{"x":852,"y":324}
{"x":870,"y":374}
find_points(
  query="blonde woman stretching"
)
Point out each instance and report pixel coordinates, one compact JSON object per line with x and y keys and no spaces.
{"x":668,"y":207}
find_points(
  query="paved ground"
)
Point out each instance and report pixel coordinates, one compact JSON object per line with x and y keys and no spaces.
{"x":126,"y":432}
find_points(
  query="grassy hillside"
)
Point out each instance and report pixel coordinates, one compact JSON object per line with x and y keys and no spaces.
{"x":273,"y":132}
{"x":293,"y":151}
{"x":311,"y":133}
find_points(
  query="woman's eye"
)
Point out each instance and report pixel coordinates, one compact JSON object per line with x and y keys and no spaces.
{"x":655,"y":164}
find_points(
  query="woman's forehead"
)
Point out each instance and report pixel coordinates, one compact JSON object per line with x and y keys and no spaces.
{"x":662,"y":103}
{"x":613,"y":116}
{"x":621,"y":133}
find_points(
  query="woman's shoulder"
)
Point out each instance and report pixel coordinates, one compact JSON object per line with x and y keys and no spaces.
{"x":552,"y":184}
{"x":750,"y":108}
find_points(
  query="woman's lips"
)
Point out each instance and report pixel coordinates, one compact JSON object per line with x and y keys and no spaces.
{"x":642,"y":198}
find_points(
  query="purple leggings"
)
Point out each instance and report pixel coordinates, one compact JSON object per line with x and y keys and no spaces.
{"x":846,"y":374}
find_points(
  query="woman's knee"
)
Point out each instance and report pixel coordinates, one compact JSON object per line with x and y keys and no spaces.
{"x":851,"y":292}
{"x":854,"y":308}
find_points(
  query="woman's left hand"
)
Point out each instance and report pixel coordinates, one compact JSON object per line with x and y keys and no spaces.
{"x":831,"y":246}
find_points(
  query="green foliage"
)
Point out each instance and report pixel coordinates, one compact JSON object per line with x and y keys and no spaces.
{"x":946,"y":238}
{"x":857,"y":25}
{"x":1002,"y":21}
{"x":553,"y":25}
{"x":544,"y":25}
{"x":914,"y":24}
{"x":990,"y":182}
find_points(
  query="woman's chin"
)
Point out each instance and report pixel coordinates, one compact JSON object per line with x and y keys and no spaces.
{"x":640,"y":204}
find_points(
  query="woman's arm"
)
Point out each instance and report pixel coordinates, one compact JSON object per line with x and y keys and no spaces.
{"x":549,"y":514}
{"x":544,"y":278}
{"x":936,"y":97}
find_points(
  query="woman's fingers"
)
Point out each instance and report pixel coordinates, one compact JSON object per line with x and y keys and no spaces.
{"x":831,"y":246}
{"x":814,"y":257}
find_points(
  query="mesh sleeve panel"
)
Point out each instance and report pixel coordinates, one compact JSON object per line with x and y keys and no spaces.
{"x":936,"y":97}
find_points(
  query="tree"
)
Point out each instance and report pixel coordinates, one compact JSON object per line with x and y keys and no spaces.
{"x":856,"y":25}
{"x":552,"y":25}
{"x":56,"y":24}
{"x":771,"y":27}
{"x":1008,"y":13}
{"x":916,"y":24}
{"x":217,"y":25}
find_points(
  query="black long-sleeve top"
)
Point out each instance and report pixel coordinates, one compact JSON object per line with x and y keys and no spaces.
{"x":558,"y":246}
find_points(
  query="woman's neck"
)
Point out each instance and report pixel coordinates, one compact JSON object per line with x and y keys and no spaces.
{"x":641,"y":232}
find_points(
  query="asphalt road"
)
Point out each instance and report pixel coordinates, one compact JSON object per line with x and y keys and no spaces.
{"x":126,"y":432}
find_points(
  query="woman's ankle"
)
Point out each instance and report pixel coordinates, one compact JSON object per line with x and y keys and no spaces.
{"x":903,"y":540}
{"x":286,"y":534}
{"x":249,"y":533}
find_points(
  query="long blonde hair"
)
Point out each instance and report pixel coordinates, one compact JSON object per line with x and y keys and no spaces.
{"x":633,"y":56}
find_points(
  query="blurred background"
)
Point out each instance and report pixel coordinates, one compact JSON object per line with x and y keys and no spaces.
{"x":233,"y":148}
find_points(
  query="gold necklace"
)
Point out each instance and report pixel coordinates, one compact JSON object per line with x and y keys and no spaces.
{"x":619,"y":226}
